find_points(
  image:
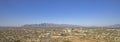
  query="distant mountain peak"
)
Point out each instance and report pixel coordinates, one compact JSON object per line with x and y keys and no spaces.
{"x":114,"y":26}
{"x":50,"y":25}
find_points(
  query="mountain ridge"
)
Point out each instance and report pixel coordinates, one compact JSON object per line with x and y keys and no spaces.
{"x":50,"y":25}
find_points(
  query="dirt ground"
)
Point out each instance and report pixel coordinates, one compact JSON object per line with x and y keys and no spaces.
{"x":75,"y":39}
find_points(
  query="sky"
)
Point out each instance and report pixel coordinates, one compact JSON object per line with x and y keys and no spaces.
{"x":78,"y":12}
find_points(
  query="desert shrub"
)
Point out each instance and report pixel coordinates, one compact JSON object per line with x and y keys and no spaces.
{"x":67,"y":41}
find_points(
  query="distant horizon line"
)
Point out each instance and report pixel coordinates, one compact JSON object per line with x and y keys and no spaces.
{"x":58,"y":23}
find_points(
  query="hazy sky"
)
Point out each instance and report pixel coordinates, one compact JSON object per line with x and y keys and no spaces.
{"x":80,"y":12}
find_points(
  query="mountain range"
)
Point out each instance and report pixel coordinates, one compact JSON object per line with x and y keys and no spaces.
{"x":50,"y":25}
{"x":65,"y":25}
{"x":114,"y":26}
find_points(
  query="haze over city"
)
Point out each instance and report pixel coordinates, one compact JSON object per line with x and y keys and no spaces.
{"x":78,"y":12}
